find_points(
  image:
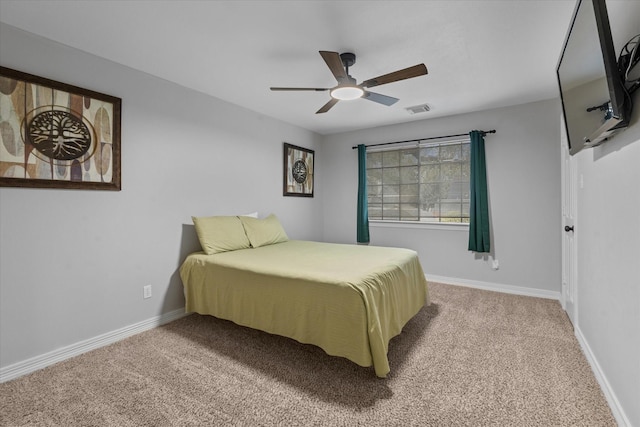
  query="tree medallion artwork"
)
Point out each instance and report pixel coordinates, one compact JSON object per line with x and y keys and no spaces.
{"x":54,"y":135}
{"x":298,"y":171}
{"x":59,"y":135}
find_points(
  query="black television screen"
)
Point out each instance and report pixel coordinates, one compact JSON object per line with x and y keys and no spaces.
{"x":594,"y":101}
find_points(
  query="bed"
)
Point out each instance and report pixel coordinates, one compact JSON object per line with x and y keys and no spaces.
{"x":349,"y":300}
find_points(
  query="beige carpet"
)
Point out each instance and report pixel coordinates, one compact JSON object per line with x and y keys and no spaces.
{"x":472,"y":358}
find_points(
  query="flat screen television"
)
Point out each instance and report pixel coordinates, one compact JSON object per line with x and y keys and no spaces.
{"x":595,"y":103}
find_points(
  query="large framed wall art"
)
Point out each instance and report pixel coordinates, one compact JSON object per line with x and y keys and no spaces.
{"x":298,"y":171}
{"x":55,"y":135}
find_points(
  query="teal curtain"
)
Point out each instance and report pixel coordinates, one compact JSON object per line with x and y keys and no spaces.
{"x":363,"y":206}
{"x":479,"y":207}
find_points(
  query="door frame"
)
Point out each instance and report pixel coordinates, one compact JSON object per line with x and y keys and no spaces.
{"x":569,"y":191}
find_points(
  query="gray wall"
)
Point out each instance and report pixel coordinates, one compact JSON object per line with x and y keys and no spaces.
{"x":73,"y":263}
{"x":608,"y":241}
{"x":523,"y":174}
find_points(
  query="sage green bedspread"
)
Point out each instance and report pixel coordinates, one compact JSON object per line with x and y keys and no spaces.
{"x":349,"y":300}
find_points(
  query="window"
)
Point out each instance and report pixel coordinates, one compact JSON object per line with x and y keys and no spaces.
{"x":428,"y":182}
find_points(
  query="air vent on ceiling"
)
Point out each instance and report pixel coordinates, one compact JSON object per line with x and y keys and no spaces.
{"x":418,"y":109}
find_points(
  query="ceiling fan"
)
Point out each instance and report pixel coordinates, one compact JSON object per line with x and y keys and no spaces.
{"x":348,"y":88}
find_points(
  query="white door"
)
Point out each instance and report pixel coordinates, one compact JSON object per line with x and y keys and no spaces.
{"x":569,"y":231}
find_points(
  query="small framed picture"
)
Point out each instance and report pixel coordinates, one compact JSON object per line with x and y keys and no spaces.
{"x":298,"y":171}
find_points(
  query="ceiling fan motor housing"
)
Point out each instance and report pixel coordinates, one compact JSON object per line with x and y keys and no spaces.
{"x":348,"y":59}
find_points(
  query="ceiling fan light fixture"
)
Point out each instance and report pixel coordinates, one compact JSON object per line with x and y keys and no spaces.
{"x":347,"y":93}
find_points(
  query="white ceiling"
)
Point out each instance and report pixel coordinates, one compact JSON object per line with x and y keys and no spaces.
{"x":480,"y":54}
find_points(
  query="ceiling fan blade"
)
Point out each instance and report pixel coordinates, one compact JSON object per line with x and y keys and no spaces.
{"x":326,"y":107}
{"x":379,"y":98}
{"x":335,"y":64}
{"x":407,"y":73}
{"x":316,"y":89}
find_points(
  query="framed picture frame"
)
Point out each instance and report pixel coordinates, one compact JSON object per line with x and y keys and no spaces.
{"x":298,"y":171}
{"x":55,"y":135}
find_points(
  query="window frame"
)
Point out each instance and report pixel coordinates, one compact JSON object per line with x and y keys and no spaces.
{"x":419,"y":144}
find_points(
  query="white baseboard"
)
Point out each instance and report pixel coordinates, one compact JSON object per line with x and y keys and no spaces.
{"x":612,"y":400}
{"x":38,"y":362}
{"x":497,"y":287}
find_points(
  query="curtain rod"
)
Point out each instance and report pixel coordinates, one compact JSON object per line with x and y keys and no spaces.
{"x":483,"y":132}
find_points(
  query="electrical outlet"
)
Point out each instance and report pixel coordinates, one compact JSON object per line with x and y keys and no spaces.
{"x":146,"y":291}
{"x":495,"y":264}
